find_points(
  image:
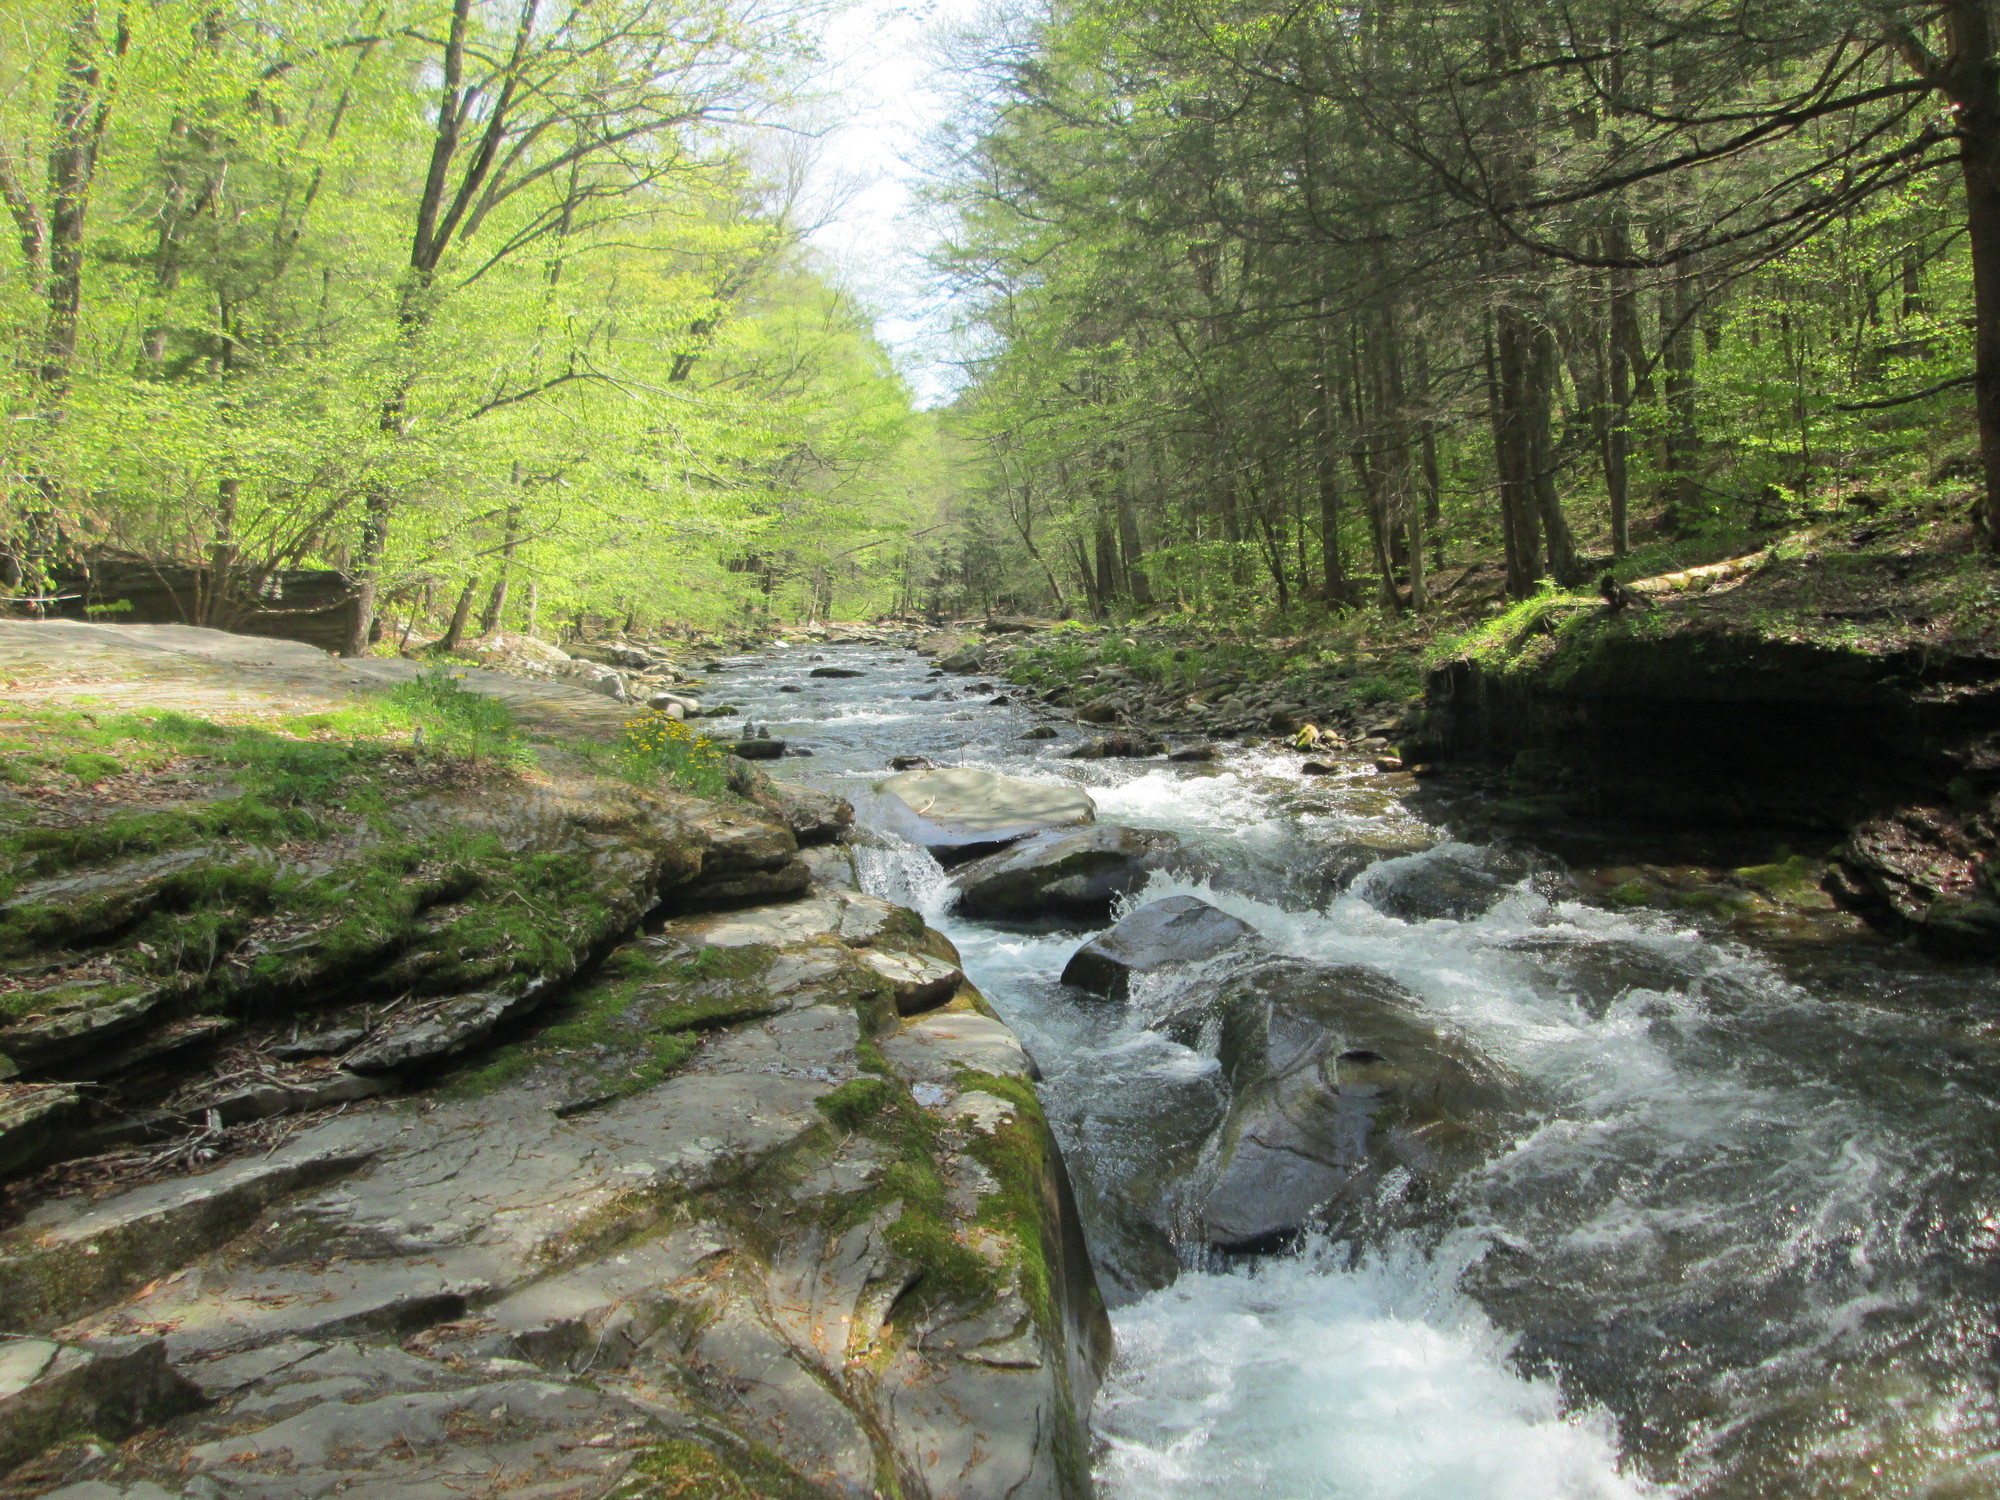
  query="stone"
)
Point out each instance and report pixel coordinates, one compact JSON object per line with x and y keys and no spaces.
{"x":909,"y":763}
{"x":594,"y":677}
{"x":70,"y":1020}
{"x":155,"y":1044}
{"x":959,"y":812}
{"x":965,"y":662}
{"x":338,"y":1087}
{"x":110,"y":1388}
{"x":935,"y":695}
{"x":917,"y":981}
{"x":758,"y":749}
{"x":1337,"y":1080}
{"x":1102,"y":711}
{"x":999,"y":700}
{"x":1117,"y":746}
{"x":31,"y":1114}
{"x":440,"y":1029}
{"x":1040,"y":732}
{"x":666,"y":702}
{"x":1454,"y":883}
{"x":836,"y":672}
{"x":52,"y":1272}
{"x":320,"y":1043}
{"x":1318,"y":768}
{"x":1191,"y":753}
{"x":1342,"y":863}
{"x":743,"y":887}
{"x":936,"y":1048}
{"x":1065,"y":872}
{"x":1176,"y":930}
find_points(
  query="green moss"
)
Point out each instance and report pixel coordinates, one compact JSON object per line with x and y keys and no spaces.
{"x":1632,"y":893}
{"x":856,"y":1102}
{"x":715,"y":1469}
{"x":636,"y":1021}
{"x":1790,"y":876}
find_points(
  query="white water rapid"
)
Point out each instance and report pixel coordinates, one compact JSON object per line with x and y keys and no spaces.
{"x":1744,"y":1247}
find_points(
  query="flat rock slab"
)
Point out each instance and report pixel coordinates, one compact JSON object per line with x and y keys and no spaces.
{"x":918,"y":981}
{"x":1177,"y":930}
{"x":962,"y":812}
{"x":936,"y":1048}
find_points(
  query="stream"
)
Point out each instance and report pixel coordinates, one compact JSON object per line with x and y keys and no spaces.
{"x":1745,"y":1247}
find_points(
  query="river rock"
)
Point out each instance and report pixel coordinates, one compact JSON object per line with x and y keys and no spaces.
{"x":1336,"y":1079}
{"x":836,"y":672}
{"x":1102,"y":711}
{"x":1190,"y":753}
{"x":1065,"y":872}
{"x":598,"y":679}
{"x":1117,"y":746}
{"x":1454,"y":882}
{"x":1341,"y":864}
{"x":1040,"y":732}
{"x":958,"y":812}
{"x":758,"y":749}
{"x":1178,"y":929}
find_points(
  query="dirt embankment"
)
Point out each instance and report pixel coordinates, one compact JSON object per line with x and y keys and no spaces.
{"x":1844,"y":683}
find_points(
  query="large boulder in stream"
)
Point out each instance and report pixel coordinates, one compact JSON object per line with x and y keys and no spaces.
{"x":1454,"y":882}
{"x":1071,"y":872}
{"x":957,"y":812}
{"x":1336,"y":1078}
{"x":1176,"y":930}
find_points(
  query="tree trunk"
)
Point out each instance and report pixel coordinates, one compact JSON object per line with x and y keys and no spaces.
{"x":454,"y":633}
{"x":1971,"y":80}
{"x":1131,"y":554}
{"x":1513,"y":461}
{"x":1680,"y":493}
{"x":1541,"y":455}
{"x":496,"y":603}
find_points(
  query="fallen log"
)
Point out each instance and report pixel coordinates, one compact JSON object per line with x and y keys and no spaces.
{"x":1705,"y":579}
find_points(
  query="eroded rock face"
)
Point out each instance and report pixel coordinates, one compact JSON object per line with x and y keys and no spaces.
{"x":682,"y":1225}
{"x":1069,"y":872}
{"x":1929,"y":869}
{"x":1336,"y":1079}
{"x":1177,"y":930}
{"x":959,"y":813}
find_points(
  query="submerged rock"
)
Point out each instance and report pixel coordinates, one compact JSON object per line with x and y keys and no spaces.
{"x":1457,"y":883}
{"x":1176,"y":930}
{"x":836,"y":672}
{"x":958,"y":812}
{"x":1067,"y":872}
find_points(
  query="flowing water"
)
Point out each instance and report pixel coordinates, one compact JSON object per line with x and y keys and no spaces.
{"x":1745,"y":1248}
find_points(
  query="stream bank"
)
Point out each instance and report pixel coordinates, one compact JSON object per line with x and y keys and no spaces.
{"x":388,"y":1120}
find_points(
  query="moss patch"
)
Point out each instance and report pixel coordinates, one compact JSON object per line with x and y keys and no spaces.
{"x":684,"y":1469}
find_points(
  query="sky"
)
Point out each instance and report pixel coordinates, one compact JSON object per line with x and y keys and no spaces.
{"x":885,"y":94}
